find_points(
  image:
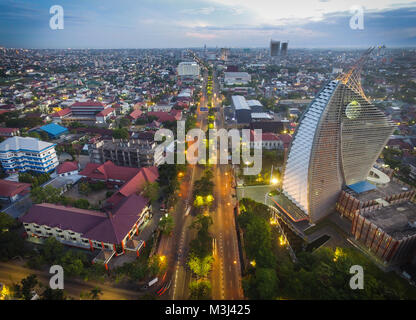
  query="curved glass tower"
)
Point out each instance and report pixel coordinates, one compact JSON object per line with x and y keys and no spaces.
{"x":339,"y":137}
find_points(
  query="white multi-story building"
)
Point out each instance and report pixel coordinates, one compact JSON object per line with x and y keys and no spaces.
{"x":20,"y":154}
{"x":188,"y":69}
{"x":236,"y":78}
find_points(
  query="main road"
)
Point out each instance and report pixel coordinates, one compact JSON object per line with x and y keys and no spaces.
{"x":226,"y":273}
{"x":12,"y":273}
{"x":176,"y":246}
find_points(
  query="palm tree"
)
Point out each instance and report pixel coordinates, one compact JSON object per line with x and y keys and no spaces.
{"x":95,"y":293}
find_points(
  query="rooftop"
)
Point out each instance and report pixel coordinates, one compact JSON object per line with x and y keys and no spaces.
{"x":67,"y":166}
{"x":53,"y":129}
{"x":87,"y":104}
{"x":398,"y":220}
{"x":104,"y":112}
{"x":240,"y":103}
{"x":380,"y":191}
{"x":24,"y":143}
{"x":108,"y":170}
{"x":61,"y":113}
{"x":11,"y":188}
{"x":362,"y":186}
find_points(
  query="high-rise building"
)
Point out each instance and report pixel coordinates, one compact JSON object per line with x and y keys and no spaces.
{"x":284,"y":48}
{"x":274,"y":48}
{"x":340,"y":136}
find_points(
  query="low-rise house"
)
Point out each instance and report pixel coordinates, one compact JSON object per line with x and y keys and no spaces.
{"x":104,"y":115}
{"x":135,"y":114}
{"x":10,"y":191}
{"x":173,"y":115}
{"x":9,"y":132}
{"x":60,"y":115}
{"x":67,"y":168}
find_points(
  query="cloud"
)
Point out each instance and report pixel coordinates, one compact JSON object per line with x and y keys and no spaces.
{"x":201,"y":35}
{"x":202,"y":11}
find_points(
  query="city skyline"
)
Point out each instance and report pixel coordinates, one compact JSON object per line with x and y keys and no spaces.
{"x":179,"y":24}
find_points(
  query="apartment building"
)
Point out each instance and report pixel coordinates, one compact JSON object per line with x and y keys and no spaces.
{"x":20,"y":154}
{"x":135,"y":153}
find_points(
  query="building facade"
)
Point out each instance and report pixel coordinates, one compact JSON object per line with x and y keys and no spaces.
{"x":274,"y":48}
{"x":339,"y":137}
{"x":188,"y":69}
{"x":133,"y":153}
{"x":20,"y":154}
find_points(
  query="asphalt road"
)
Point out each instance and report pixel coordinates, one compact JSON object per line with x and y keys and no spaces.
{"x":176,"y":246}
{"x":226,"y":273}
{"x":12,"y":273}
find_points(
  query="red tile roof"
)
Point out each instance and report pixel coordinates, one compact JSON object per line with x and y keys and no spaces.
{"x":107,"y":171}
{"x":104,"y":112}
{"x":8,"y":130}
{"x":121,"y":221}
{"x":94,"y":225}
{"x":286,"y":139}
{"x":135,"y":114}
{"x":61,"y":113}
{"x":135,"y":184}
{"x":67,"y":166}
{"x":89,"y":103}
{"x":11,"y":188}
{"x":65,"y":218}
{"x":173,"y":115}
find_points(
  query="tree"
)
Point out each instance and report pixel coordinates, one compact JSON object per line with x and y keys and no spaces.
{"x":72,"y":263}
{"x":84,"y":188}
{"x":52,"y":294}
{"x":25,"y":288}
{"x":52,"y":250}
{"x":200,"y":266}
{"x":200,"y":290}
{"x":82,"y":204}
{"x":124,"y":122}
{"x":166,"y":224}
{"x":45,"y":194}
{"x":95,"y":293}
{"x":263,"y":285}
{"x":121,"y":133}
{"x":201,"y":246}
{"x":151,"y":191}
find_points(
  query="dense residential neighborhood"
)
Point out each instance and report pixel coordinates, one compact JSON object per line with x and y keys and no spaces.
{"x":84,"y":182}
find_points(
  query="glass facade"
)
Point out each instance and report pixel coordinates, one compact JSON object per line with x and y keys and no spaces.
{"x":339,"y":137}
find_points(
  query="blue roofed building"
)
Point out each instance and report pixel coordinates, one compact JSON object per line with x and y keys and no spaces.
{"x":53,"y":130}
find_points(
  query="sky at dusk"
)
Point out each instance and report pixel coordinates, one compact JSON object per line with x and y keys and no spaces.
{"x":222,"y":23}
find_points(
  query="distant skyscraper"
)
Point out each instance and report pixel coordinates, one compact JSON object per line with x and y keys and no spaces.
{"x":339,"y":137}
{"x":284,"y":48}
{"x":274,"y":48}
